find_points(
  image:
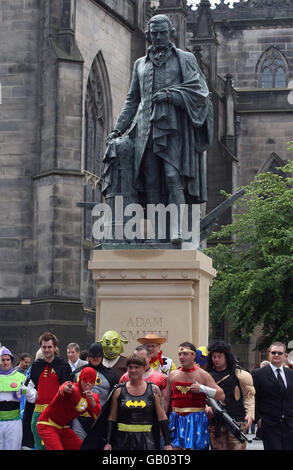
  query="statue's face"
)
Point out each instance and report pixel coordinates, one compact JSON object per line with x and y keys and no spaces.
{"x":112,"y":344}
{"x":160,"y":34}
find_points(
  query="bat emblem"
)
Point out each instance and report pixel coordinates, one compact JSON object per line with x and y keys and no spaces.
{"x":135,"y":404}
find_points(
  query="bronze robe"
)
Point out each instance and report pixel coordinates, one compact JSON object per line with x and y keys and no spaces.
{"x":189,"y":115}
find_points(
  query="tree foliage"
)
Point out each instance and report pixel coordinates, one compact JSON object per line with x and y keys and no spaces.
{"x":254,"y":283}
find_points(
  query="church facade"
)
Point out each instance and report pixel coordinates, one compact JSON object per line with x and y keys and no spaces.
{"x":65,"y":67}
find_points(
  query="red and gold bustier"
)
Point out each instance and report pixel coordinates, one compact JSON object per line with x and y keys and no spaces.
{"x":184,"y":401}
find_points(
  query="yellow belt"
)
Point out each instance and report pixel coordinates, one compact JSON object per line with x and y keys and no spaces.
{"x":51,"y":423}
{"x":187,"y":410}
{"x":134,"y":427}
{"x":39,"y":408}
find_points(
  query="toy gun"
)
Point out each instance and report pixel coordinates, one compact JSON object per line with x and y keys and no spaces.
{"x":229,"y":422}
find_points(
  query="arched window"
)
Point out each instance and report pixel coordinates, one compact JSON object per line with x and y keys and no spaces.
{"x":272,"y":165}
{"x":273,"y":69}
{"x":98,"y":121}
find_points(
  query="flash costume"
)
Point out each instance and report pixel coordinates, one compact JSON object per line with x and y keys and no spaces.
{"x":53,"y":421}
{"x":104,"y":383}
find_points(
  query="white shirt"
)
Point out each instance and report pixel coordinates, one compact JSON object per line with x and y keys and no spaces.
{"x":281,"y":371}
{"x":74,"y":366}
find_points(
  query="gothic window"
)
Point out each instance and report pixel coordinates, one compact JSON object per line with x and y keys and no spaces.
{"x":97,"y":124}
{"x":273,"y":69}
{"x":273,"y":164}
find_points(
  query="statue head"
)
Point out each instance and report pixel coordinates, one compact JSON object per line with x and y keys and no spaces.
{"x":112,"y":344}
{"x":160,"y":31}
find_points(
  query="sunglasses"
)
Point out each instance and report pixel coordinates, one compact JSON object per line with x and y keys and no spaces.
{"x":277,"y":352}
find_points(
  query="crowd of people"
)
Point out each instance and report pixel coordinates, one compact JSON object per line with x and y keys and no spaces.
{"x":98,"y":399}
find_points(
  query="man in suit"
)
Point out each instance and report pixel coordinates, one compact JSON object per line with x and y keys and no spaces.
{"x":73,"y":352}
{"x":274,"y":400}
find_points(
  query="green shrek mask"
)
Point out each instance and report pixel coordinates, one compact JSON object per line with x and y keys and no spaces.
{"x":112,"y":344}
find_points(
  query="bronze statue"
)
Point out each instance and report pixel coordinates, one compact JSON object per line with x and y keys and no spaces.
{"x":169,"y":115}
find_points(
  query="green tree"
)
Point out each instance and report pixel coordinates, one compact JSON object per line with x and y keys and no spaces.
{"x":254,"y":283}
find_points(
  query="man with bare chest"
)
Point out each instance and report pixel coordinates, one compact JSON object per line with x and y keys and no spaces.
{"x":185,"y":400}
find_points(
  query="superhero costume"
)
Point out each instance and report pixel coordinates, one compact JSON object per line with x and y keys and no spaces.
{"x":53,"y":421}
{"x":97,"y":436}
{"x":104,"y":383}
{"x":47,"y":378}
{"x":188,"y":420}
{"x":135,"y":417}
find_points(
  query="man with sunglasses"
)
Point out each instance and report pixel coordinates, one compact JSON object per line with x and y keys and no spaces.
{"x":274,"y":400}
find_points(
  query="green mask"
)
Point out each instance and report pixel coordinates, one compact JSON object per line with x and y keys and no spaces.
{"x":112,"y":344}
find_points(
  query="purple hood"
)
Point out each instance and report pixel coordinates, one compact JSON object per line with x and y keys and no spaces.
{"x":6,"y":351}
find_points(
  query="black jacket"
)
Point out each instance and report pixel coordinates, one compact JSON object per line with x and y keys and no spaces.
{"x":271,"y":401}
{"x":63,"y":371}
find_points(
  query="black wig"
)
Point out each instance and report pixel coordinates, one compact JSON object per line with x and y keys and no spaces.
{"x":221,"y":347}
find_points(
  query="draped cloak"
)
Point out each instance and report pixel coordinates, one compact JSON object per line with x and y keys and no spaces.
{"x":189,"y":115}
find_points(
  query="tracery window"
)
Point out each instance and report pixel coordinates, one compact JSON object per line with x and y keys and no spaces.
{"x":273,"y":69}
{"x":97,"y":125}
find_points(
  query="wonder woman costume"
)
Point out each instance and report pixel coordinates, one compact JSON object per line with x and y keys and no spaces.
{"x":188,"y":420}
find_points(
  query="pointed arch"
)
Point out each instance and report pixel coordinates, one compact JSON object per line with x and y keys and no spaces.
{"x":272,"y":69}
{"x":272,"y":162}
{"x":98,"y":123}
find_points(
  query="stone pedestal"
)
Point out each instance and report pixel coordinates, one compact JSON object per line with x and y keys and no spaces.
{"x":164,"y":292}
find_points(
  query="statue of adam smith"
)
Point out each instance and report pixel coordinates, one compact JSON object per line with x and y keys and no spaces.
{"x":170,"y":117}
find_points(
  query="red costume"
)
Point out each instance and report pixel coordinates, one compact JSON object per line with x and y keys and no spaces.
{"x":184,"y":401}
{"x":156,"y":378}
{"x":188,"y":421}
{"x":53,"y":421}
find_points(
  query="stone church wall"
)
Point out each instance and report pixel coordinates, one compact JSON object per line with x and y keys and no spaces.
{"x":264,"y":118}
{"x":19,"y":65}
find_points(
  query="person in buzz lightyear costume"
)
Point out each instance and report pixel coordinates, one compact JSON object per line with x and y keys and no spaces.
{"x":112,"y":344}
{"x":11,"y":389}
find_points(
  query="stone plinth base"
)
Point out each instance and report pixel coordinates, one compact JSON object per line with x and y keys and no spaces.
{"x":164,"y":292}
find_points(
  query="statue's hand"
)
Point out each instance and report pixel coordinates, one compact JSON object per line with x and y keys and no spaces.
{"x":112,"y":135}
{"x":161,"y":96}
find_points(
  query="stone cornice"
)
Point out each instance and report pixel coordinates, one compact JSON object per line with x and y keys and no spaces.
{"x":58,"y":172}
